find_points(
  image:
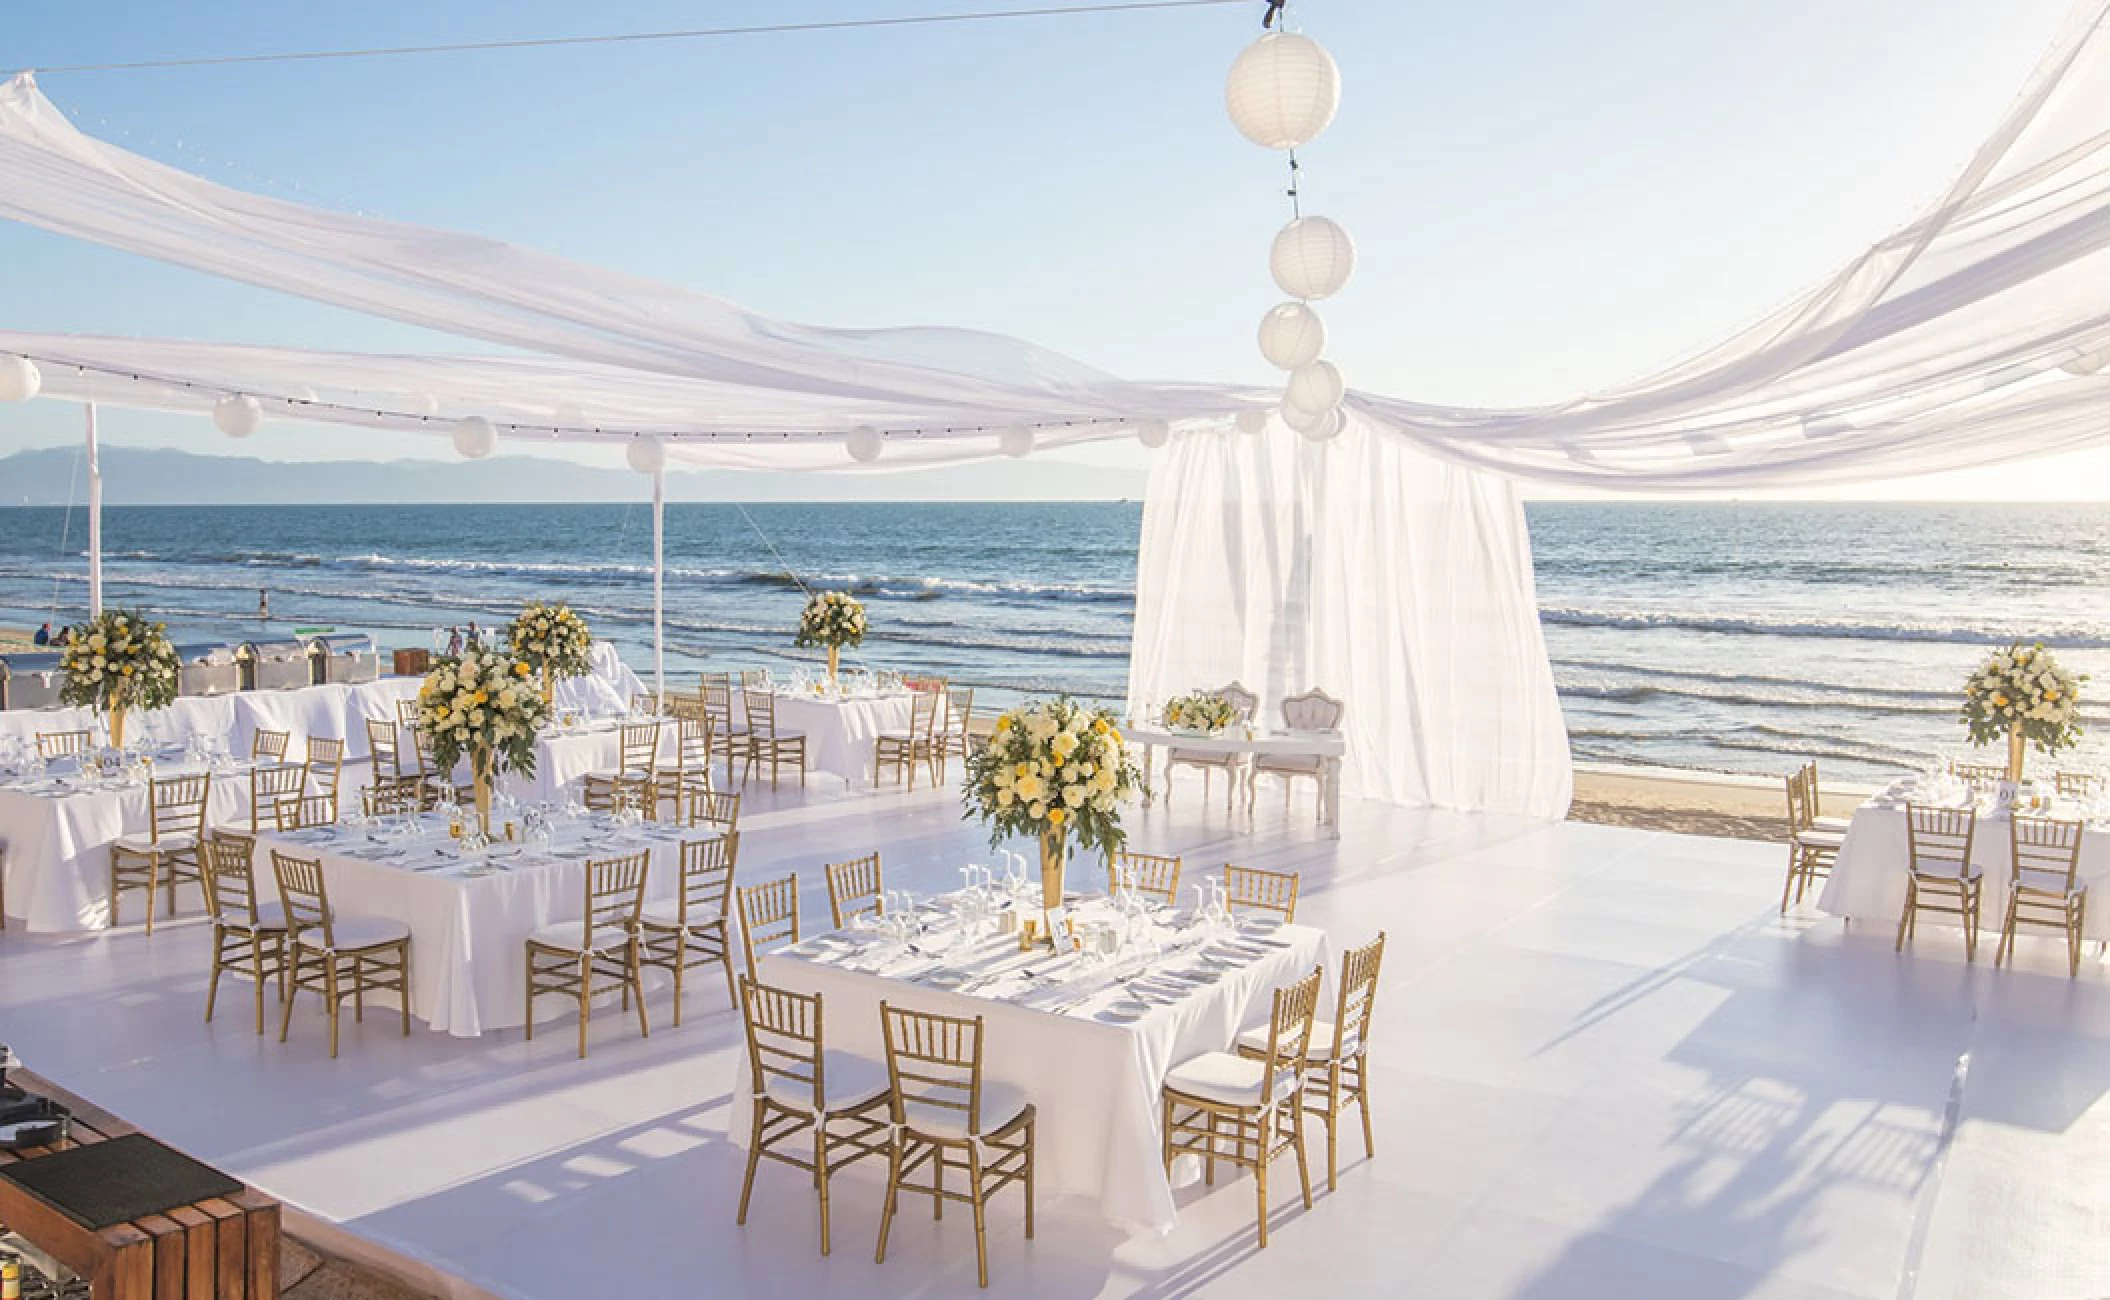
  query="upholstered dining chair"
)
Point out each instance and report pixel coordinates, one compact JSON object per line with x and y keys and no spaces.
{"x":948,"y":1119}
{"x":1209,"y":762}
{"x":168,"y":851}
{"x":568,"y":957}
{"x":694,"y":927}
{"x":2044,"y":887}
{"x":1314,"y":710}
{"x":815,"y":1109}
{"x":334,"y":956}
{"x":1941,"y":878}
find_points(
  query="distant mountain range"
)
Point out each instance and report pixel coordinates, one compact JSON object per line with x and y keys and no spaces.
{"x":153,"y":476}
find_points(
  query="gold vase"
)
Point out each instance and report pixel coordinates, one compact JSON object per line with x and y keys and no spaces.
{"x":2015,"y":747}
{"x":549,"y":689}
{"x":835,"y":654}
{"x":117,"y":726}
{"x":1054,"y":856}
{"x":480,"y":774}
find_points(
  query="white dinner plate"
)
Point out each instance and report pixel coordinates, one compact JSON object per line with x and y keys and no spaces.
{"x":1125,"y":1012}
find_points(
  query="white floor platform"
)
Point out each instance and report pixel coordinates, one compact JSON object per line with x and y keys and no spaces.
{"x":1605,"y":1067}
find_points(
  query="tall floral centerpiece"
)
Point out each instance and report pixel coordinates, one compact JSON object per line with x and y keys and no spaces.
{"x":833,"y":619}
{"x":1203,"y":712}
{"x":552,"y":641}
{"x":1058,"y":772}
{"x":481,"y":707}
{"x":2022,"y":694}
{"x":117,"y":662}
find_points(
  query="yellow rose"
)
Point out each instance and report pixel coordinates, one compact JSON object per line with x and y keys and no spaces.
{"x":1055,"y":816}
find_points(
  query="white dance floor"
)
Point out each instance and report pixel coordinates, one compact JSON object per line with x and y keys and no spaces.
{"x":1604,"y":1067}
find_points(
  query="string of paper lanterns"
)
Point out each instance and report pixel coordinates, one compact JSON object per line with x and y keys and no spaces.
{"x":1284,"y":89}
{"x":20,"y":380}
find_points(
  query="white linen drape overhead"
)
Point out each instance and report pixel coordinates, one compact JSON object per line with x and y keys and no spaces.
{"x":1397,"y":583}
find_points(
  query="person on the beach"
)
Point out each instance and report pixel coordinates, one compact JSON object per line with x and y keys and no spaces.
{"x":475,"y":637}
{"x":44,"y":635}
{"x":454,"y":643}
{"x":263,"y":603}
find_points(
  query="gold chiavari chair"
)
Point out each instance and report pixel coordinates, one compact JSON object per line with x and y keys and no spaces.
{"x":946,"y":1118}
{"x":637,"y":748}
{"x":646,"y":705}
{"x":689,"y":774}
{"x":337,"y":956}
{"x":269,"y":746}
{"x":1940,"y":869}
{"x":1209,"y":762}
{"x":303,"y":811}
{"x":1247,"y":1110}
{"x":407,"y":712}
{"x":269,"y":786}
{"x":693,"y":927}
{"x":728,"y":731}
{"x":768,"y":743}
{"x":1150,"y":873}
{"x":1314,"y":710}
{"x":717,"y":809}
{"x":2078,"y":785}
{"x":1981,"y":777}
{"x":391,"y":801}
{"x":956,"y":735}
{"x":167,"y":852}
{"x":685,"y":706}
{"x":2044,"y":887}
{"x":769,"y":913}
{"x":854,"y":888}
{"x":754,"y":679}
{"x":1251,"y":889}
{"x":393,"y":770}
{"x":248,"y":937}
{"x":801,"y":1090}
{"x":435,"y":780}
{"x":566,"y":957}
{"x":1337,"y":1068}
{"x":903,"y":749}
{"x":64,"y":744}
{"x":1812,"y":847}
{"x":324,"y":770}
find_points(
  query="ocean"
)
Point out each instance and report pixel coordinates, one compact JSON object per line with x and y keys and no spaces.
{"x":1726,"y":636}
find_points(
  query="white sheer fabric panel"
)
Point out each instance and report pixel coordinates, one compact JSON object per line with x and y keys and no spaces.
{"x":1399,"y":584}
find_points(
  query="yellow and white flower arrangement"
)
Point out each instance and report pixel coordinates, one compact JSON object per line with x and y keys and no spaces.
{"x":2023,"y":691}
{"x":553,"y":641}
{"x":117,"y":662}
{"x":482,"y":707}
{"x":1202,"y":711}
{"x":833,"y":619}
{"x":1053,"y":770}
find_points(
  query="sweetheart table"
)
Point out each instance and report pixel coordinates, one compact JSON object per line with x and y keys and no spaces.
{"x":1324,"y":747}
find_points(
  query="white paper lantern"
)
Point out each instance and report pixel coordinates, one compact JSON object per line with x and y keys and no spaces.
{"x":421,"y":404}
{"x":864,"y":444}
{"x":1292,"y":335}
{"x":475,"y":437}
{"x":2087,"y":363}
{"x":237,"y":415}
{"x":1312,"y":258}
{"x":1252,"y":423}
{"x":1283,"y":90}
{"x":1304,"y":419}
{"x":1015,"y":440}
{"x":20,"y":379}
{"x":1153,"y":433}
{"x":1315,"y":387}
{"x":646,"y":454}
{"x":1324,"y":428}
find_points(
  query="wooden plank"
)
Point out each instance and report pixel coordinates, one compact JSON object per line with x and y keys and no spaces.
{"x":200,"y":1247}
{"x":169,"y":1276}
{"x":263,"y":1241}
{"x":233,"y":1271}
{"x":132,"y":1272}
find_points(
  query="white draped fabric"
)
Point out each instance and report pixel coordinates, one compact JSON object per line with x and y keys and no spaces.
{"x":1395,"y":582}
{"x":1974,"y":334}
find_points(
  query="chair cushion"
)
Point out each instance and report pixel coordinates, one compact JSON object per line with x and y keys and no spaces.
{"x":572,"y":935}
{"x":851,"y":1080}
{"x":2041,"y":881}
{"x":269,"y":916}
{"x":1302,"y":764}
{"x":356,"y":933}
{"x":1945,"y":871}
{"x":667,"y":912}
{"x":1831,"y":825}
{"x":1819,"y":840}
{"x":1255,"y":1040}
{"x":1001,"y":1103}
{"x":1227,"y":1078}
{"x":780,"y":734}
{"x":142,"y":842}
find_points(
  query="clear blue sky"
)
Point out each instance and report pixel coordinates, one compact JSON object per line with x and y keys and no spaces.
{"x":1548,"y":196}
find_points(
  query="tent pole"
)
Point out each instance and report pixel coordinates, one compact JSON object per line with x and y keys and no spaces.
{"x":95,"y":519}
{"x":659,"y":575}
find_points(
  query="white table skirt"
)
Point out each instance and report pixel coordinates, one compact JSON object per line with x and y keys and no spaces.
{"x":468,"y":935}
{"x":191,"y":715}
{"x":1868,"y":879}
{"x":1096,"y":1086}
{"x":841,"y":734}
{"x":58,"y":850}
{"x":336,"y":710}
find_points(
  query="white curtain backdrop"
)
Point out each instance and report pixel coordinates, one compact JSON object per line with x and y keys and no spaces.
{"x":1393,"y":581}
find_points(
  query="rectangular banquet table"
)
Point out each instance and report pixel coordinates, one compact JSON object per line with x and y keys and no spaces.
{"x":1326,"y":746}
{"x":842,"y":730}
{"x":1095,"y":1083}
{"x":467,"y":930}
{"x":58,"y":831}
{"x":1868,"y":879}
{"x":336,"y":711}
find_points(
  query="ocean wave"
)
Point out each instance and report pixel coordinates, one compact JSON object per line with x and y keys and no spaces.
{"x":2073,"y":636}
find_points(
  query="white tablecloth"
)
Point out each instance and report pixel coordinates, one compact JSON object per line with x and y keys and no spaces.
{"x":200,"y":715}
{"x":841,"y":733}
{"x":468,"y":934}
{"x":336,"y":710}
{"x":1868,"y":880}
{"x":1096,"y":1085}
{"x":58,"y":849}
